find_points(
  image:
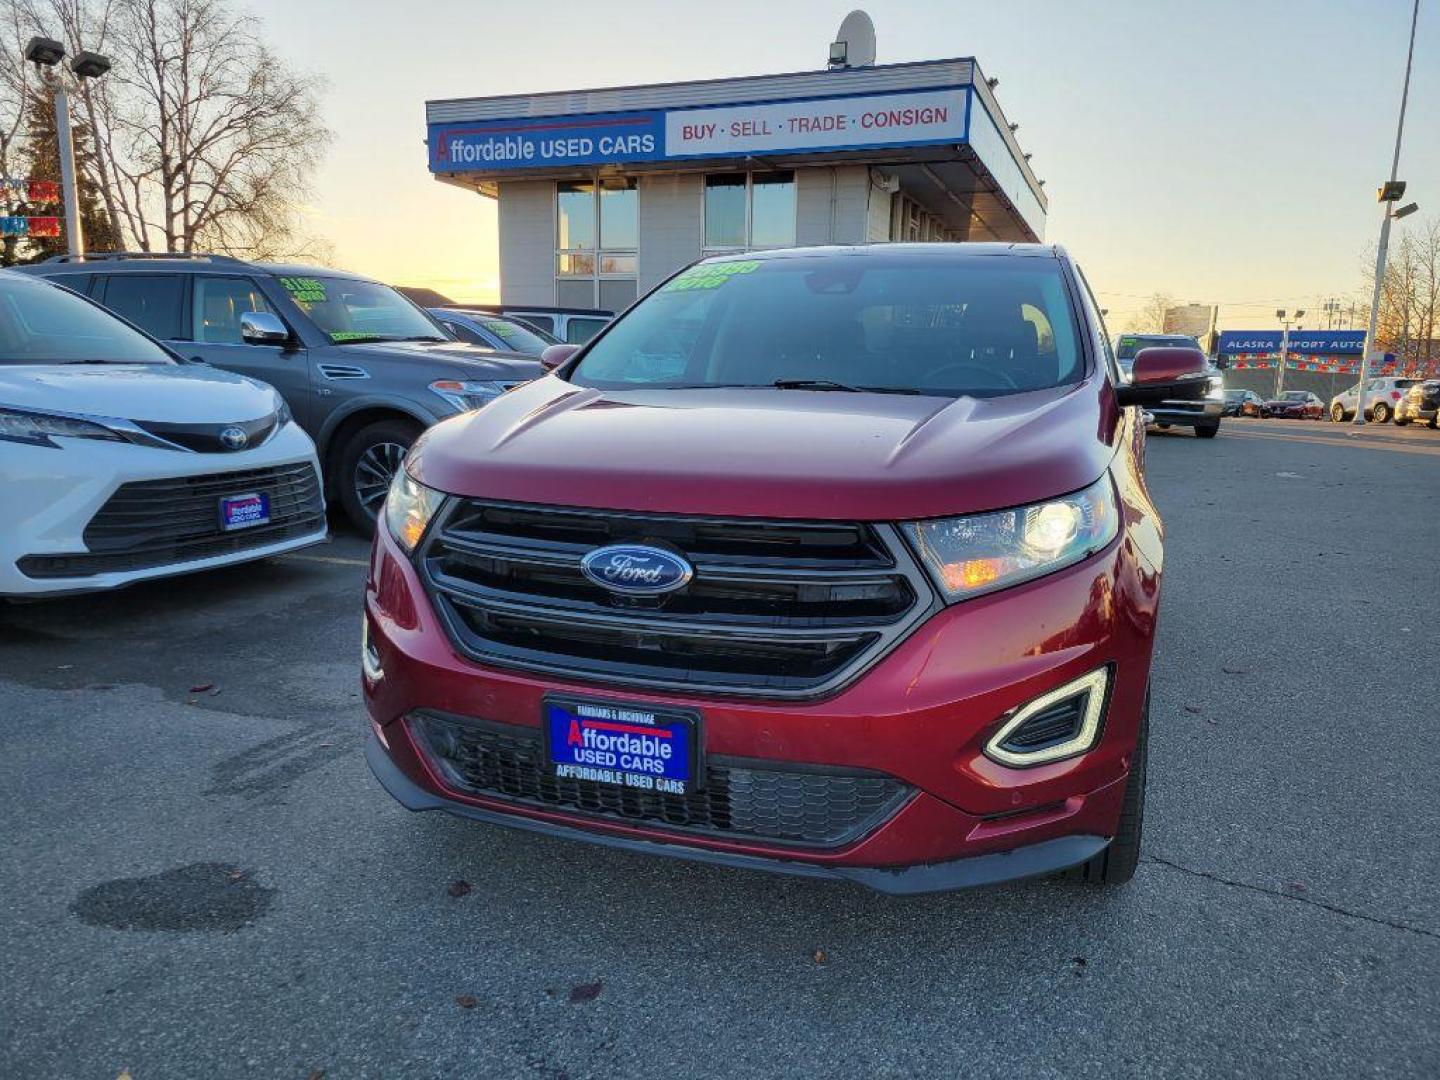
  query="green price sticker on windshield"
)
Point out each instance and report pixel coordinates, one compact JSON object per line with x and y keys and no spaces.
{"x":709,"y":275}
{"x":304,"y":290}
{"x":340,"y":336}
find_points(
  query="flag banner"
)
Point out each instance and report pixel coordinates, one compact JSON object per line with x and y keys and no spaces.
{"x":14,"y":226}
{"x":43,"y":191}
{"x":44,"y":226}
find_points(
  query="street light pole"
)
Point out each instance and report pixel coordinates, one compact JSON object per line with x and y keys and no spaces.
{"x":1285,"y":322}
{"x":74,"y":229}
{"x":1390,"y":193}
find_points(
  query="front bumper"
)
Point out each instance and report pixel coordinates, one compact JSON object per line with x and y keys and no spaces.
{"x":921,"y":716}
{"x":1032,"y":860}
{"x":51,"y":496}
{"x":1189,"y":413}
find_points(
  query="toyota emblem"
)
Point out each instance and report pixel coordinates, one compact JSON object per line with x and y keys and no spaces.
{"x":234,"y":438}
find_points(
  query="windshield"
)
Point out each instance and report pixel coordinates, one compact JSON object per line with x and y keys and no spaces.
{"x":1234,"y":395}
{"x":347,"y":310}
{"x":981,"y":326}
{"x":1295,"y":395}
{"x":42,"y":324}
{"x":1131,"y":344}
{"x":523,"y":339}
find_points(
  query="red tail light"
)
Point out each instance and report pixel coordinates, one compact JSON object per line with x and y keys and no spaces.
{"x":1394,"y":395}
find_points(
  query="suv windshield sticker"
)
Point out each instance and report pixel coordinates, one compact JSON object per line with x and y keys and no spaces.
{"x":500,"y":329}
{"x":338,"y":336}
{"x":709,"y":276}
{"x":304,"y":290}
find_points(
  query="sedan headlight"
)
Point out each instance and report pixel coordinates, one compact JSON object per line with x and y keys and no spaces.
{"x":42,"y":429}
{"x":467,"y":395}
{"x":980,"y":553}
{"x":409,"y":506}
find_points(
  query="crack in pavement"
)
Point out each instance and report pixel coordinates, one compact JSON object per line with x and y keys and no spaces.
{"x":1393,"y":925}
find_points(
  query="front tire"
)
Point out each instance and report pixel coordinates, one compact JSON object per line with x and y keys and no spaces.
{"x":1116,"y":864}
{"x":1207,"y":431}
{"x":367,"y":464}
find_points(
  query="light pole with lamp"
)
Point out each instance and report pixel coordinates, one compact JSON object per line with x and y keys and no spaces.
{"x":1286,"y":322}
{"x":46,"y":55}
{"x":1389,"y":194}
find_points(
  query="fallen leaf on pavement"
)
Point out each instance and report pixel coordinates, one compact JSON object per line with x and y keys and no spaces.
{"x":316,"y":1074}
{"x":466,"y":1001}
{"x":819,"y":956}
{"x":459,"y":888}
{"x":585,"y":992}
{"x":200,"y":688}
{"x":1194,"y":709}
{"x":1235,"y":670}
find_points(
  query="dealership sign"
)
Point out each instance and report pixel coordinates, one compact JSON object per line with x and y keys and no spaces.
{"x":838,"y":123}
{"x":1310,"y":342}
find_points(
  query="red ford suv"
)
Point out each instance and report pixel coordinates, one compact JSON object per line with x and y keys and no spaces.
{"x":835,"y":562}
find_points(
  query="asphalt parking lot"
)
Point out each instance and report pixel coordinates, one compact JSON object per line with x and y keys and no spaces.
{"x":199,"y":878}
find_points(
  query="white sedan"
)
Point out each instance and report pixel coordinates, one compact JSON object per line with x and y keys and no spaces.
{"x":119,"y":462}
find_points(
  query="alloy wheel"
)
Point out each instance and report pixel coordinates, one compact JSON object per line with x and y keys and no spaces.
{"x":374,"y":470}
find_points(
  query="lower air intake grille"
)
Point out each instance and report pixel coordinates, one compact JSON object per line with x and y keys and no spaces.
{"x":151,"y":523}
{"x":810,"y":809}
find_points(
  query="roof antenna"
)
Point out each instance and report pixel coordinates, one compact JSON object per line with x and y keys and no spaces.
{"x":854,"y":45}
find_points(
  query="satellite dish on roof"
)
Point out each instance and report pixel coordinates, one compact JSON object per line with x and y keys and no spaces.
{"x":854,"y":45}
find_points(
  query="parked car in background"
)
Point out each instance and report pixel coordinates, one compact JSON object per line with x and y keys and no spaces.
{"x":1203,"y":415}
{"x":575,"y":325}
{"x":658,"y":598}
{"x":1420,"y":404}
{"x":1294,"y":405}
{"x":363,"y":369}
{"x":1381,"y":397}
{"x":1243,"y":403}
{"x":493,"y":331}
{"x":120,"y":462}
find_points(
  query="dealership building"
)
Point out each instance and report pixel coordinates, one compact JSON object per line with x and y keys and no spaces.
{"x":604,"y":193}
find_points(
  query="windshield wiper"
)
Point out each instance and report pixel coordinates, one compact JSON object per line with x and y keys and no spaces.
{"x":814,"y":384}
{"x":830,"y":384}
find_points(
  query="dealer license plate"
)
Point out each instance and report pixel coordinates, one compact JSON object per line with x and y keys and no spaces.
{"x":244,"y":511}
{"x":624,"y":745}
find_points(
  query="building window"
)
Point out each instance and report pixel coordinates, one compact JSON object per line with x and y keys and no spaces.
{"x":749,"y":210}
{"x":596,"y":237}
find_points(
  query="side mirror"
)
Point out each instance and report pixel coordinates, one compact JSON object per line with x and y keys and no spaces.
{"x":1164,"y":374}
{"x":263,"y":328}
{"x":555,"y":355}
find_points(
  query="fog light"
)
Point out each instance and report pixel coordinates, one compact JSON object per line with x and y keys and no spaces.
{"x":1056,"y":725}
{"x":369,"y":656}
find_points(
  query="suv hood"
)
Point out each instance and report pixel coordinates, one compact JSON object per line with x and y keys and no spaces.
{"x":467,"y":361}
{"x":165,"y":393}
{"x":773,"y":453}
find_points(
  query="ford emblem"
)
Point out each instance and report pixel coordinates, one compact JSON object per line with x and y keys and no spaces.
{"x":234,"y":438}
{"x":636,"y":570}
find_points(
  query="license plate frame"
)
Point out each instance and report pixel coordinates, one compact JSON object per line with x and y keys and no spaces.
{"x":233,"y":522}
{"x":605,"y":716}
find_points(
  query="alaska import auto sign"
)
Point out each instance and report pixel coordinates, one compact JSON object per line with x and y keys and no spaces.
{"x":837,"y":123}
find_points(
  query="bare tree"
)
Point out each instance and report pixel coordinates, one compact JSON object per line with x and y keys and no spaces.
{"x":203,"y":137}
{"x":1409,"y":316}
{"x":1150,"y":319}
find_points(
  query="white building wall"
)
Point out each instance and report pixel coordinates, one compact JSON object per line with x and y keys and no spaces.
{"x":877,"y":220}
{"x":832,"y":204}
{"x":670,"y":215}
{"x":527,"y":241}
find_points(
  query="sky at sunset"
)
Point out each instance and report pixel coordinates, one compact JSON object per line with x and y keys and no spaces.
{"x":1218,"y":151}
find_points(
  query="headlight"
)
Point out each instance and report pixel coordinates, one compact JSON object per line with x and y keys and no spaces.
{"x":1217,"y":388}
{"x":41,"y":429}
{"x":408,"y":509}
{"x":467,"y":395}
{"x":977,"y":554}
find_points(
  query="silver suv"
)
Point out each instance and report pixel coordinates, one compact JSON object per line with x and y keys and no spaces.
{"x":1381,"y":397}
{"x":363,"y":369}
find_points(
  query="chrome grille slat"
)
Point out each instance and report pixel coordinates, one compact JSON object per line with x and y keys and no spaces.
{"x":774,"y":609}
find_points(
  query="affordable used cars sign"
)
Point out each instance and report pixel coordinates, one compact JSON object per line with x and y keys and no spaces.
{"x":903,"y":119}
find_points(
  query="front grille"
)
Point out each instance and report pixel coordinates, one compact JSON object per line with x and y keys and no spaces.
{"x":738,"y":800}
{"x":775,"y":608}
{"x":205,"y":438}
{"x":149,"y":523}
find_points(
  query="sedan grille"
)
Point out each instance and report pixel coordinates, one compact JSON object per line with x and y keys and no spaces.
{"x":775,"y":608}
{"x":151,"y":523}
{"x":739,"y":799}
